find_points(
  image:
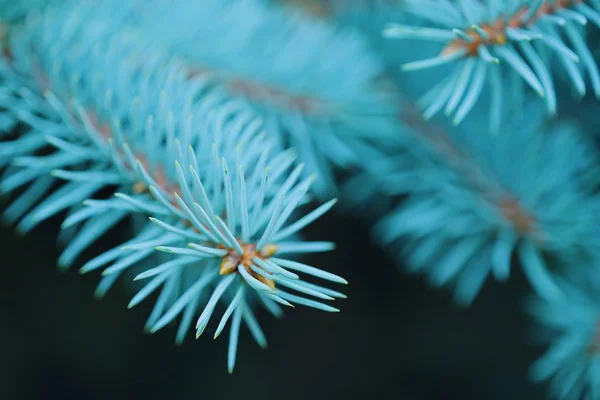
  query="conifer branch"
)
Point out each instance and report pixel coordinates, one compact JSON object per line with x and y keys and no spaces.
{"x":325,"y":108}
{"x":501,"y":45}
{"x":178,"y":155}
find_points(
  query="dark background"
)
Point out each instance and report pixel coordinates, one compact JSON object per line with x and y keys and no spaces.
{"x":394,"y":339}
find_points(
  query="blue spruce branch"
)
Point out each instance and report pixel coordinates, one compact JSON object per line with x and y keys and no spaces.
{"x":569,"y":327}
{"x":329,"y":110}
{"x":502,"y":46}
{"x":222,"y":207}
{"x":475,"y":200}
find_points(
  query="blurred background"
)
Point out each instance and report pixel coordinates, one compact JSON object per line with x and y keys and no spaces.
{"x":394,"y":339}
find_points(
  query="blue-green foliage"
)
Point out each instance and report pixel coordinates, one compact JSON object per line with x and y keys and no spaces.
{"x":293,"y":69}
{"x":50,"y":103}
{"x":569,"y":327}
{"x":14,"y":11}
{"x":101,"y":111}
{"x":523,"y":51}
{"x":477,"y":199}
{"x":179,"y":119}
{"x":451,"y":226}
